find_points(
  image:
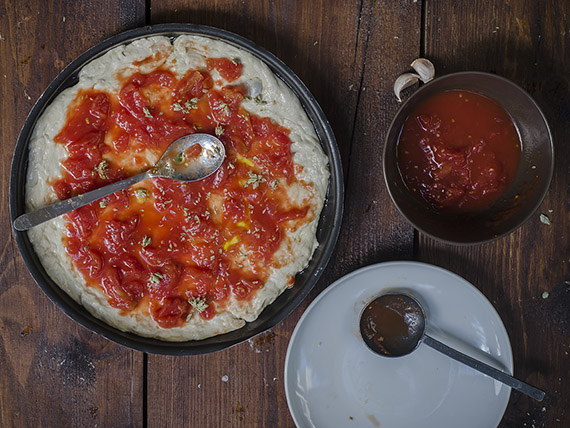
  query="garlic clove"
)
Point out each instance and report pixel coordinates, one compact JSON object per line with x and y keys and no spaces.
{"x":424,"y":68}
{"x":404,"y":81}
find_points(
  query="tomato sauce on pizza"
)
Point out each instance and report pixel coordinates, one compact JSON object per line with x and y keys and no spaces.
{"x":170,"y":247}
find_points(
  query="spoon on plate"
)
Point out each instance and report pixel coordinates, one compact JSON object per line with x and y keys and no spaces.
{"x":393,"y":325}
{"x":189,"y":158}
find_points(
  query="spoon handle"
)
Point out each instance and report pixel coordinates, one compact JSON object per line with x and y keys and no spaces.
{"x":31,"y":219}
{"x":480,"y":366}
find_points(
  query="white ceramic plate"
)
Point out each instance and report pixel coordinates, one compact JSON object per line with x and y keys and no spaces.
{"x":333,"y":380}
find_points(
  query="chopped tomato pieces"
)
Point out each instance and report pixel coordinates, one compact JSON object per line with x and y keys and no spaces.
{"x":161,"y":243}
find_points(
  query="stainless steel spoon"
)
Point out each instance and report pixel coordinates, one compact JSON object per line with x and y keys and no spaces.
{"x":176,"y":162}
{"x":393,"y":325}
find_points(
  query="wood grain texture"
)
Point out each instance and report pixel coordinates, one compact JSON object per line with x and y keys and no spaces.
{"x":373,"y":230}
{"x":528,"y":43}
{"x":54,"y":372}
{"x":344,"y":54}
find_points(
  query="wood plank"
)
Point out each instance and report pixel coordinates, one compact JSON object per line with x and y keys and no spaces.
{"x":327,"y":44}
{"x":527,"y":42}
{"x":374,"y":231}
{"x":54,"y":372}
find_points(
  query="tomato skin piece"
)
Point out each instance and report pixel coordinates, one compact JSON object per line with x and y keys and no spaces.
{"x":191,"y":86}
{"x":208,"y":313}
{"x":230,"y":70}
{"x":170,"y":312}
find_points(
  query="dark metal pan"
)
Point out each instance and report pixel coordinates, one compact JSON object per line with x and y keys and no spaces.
{"x":327,"y":233}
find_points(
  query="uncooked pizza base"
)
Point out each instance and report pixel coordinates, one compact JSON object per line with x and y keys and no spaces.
{"x":184,"y":53}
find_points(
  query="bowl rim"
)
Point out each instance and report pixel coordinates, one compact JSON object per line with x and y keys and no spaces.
{"x":328,"y":226}
{"x":540,"y":196}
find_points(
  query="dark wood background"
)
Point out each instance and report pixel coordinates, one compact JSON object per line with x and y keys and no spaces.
{"x":54,"y":373}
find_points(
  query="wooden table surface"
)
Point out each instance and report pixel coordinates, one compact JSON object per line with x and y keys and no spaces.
{"x":55,"y":373}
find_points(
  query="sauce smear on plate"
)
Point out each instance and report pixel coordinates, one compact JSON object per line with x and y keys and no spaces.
{"x":459,"y":151}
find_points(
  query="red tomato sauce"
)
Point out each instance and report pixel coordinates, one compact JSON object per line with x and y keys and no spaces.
{"x":459,"y":151}
{"x":228,"y":69}
{"x":162,"y":243}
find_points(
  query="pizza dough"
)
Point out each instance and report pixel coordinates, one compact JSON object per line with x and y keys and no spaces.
{"x":267,"y":97}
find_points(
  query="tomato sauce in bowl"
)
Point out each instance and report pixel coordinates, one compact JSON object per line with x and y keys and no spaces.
{"x":459,"y":151}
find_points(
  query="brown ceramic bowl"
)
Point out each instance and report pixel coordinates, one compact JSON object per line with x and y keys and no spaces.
{"x":519,"y":201}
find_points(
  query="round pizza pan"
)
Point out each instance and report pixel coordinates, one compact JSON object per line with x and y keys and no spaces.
{"x":327,"y":233}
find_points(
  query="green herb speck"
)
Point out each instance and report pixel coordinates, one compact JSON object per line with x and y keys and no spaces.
{"x":254,"y":179}
{"x":199,"y":304}
{"x":259,"y":100}
{"x":155,"y":277}
{"x":179,"y":158}
{"x":101,"y":169}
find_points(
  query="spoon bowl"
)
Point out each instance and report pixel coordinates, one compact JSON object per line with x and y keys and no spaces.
{"x":190,"y":158}
{"x":393,"y":325}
